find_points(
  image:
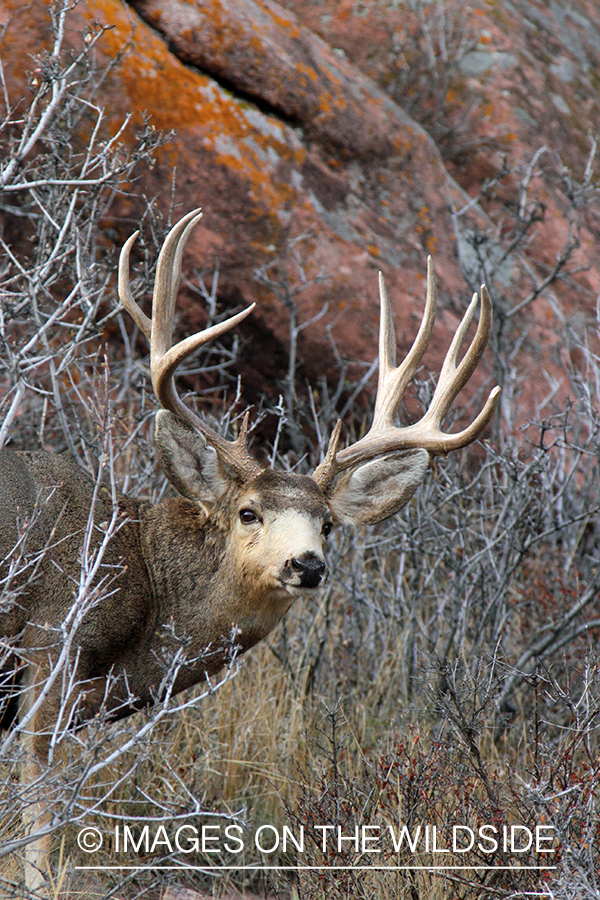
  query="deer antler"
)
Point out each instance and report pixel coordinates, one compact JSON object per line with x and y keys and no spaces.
{"x":383,"y":436}
{"x":165,"y":358}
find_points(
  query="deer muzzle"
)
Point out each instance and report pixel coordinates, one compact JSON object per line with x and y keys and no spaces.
{"x":309,"y":570}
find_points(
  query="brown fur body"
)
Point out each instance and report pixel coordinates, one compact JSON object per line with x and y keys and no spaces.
{"x":172,"y":577}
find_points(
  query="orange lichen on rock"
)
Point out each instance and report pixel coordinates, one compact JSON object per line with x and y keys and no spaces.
{"x":204,"y":116}
{"x":263,"y":54}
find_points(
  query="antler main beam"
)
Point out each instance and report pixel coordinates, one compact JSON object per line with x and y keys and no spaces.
{"x":164,"y":357}
{"x":385,"y":437}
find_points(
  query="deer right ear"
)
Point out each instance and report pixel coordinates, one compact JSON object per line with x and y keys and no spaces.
{"x":188,"y":460}
{"x":377,"y":489}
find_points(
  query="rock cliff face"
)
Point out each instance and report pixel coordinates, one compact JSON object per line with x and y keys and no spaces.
{"x":300,"y":120}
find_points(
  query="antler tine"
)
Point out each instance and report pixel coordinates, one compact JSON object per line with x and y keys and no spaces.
{"x":125,"y":295}
{"x":165,"y":358}
{"x":166,"y":285}
{"x":393,"y":379}
{"x":453,"y":377}
{"x":384,"y":437}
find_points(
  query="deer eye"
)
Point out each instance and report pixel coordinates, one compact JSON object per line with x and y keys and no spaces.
{"x":248,"y":516}
{"x":326,"y":530}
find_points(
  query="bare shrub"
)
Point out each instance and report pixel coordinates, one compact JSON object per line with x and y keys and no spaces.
{"x":423,"y":74}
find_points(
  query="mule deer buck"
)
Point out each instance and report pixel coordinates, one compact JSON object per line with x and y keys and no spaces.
{"x":234,"y":550}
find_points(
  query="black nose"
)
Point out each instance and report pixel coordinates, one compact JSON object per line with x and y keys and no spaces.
{"x":310,"y":568}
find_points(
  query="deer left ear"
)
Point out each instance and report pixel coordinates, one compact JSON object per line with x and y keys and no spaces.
{"x":379,"y":488}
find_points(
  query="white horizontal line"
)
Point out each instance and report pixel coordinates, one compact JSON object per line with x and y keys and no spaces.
{"x":313,"y":868}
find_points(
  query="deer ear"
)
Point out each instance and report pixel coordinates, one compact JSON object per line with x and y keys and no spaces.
{"x":188,"y":461}
{"x":379,"y":488}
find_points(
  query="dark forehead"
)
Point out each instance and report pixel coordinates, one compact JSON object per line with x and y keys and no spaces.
{"x":298,"y":491}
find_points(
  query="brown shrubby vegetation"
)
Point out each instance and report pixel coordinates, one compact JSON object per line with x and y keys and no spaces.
{"x":447,"y":675}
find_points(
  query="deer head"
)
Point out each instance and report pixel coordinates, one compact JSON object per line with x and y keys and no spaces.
{"x":359,"y":484}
